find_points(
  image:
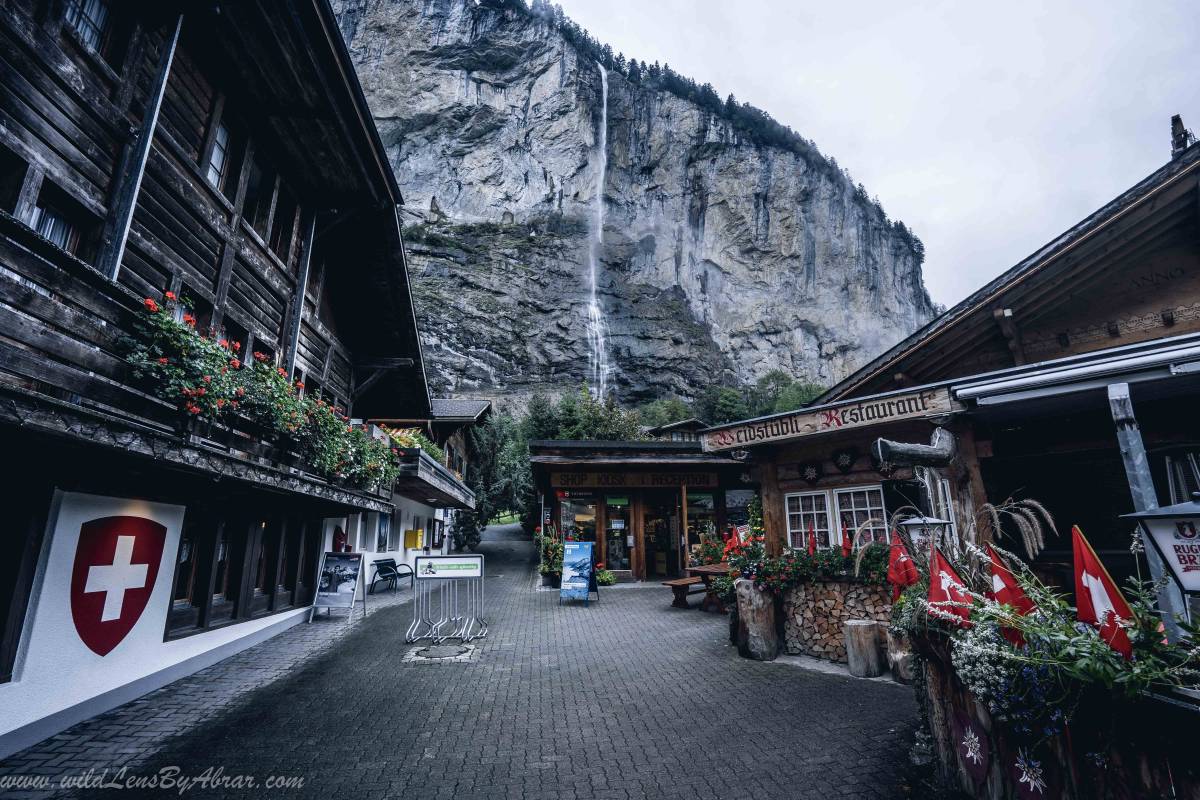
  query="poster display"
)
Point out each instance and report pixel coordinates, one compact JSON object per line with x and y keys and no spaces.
{"x":577,"y":571}
{"x":341,"y":574}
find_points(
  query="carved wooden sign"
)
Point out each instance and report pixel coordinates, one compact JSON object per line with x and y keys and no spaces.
{"x":843,"y":416}
{"x":638,"y":480}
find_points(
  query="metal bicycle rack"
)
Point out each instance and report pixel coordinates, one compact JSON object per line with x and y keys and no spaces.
{"x":448,"y":602}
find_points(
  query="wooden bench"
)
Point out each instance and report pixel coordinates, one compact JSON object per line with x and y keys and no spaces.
{"x":682,"y":587}
{"x":388,"y":571}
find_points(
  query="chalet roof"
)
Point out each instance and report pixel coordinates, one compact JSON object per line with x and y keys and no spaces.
{"x":1164,"y":200}
{"x":451,"y":408}
{"x":645,"y":453}
{"x":291,"y":65}
{"x":689,"y":424}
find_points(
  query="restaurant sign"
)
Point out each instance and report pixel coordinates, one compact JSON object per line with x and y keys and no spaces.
{"x":634,"y":480}
{"x":844,"y":416}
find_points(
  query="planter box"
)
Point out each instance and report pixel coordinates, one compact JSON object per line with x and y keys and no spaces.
{"x":815,"y":615}
{"x":1111,"y":749}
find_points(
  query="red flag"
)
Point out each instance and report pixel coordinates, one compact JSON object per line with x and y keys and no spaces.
{"x":901,"y":569}
{"x":1005,"y":589}
{"x":947,"y":590}
{"x":1097,"y":597}
{"x":846,"y":546}
{"x":812,"y":540}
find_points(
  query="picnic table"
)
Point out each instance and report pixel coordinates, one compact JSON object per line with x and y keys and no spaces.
{"x":708,"y":573}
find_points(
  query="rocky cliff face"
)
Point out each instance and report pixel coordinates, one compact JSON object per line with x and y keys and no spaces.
{"x":720,"y":259}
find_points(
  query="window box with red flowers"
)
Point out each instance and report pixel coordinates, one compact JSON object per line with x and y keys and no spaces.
{"x":205,"y":377}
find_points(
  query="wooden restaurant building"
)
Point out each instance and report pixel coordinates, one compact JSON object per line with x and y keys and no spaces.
{"x":224,"y":153}
{"x":1020,"y":391}
{"x":645,"y":504}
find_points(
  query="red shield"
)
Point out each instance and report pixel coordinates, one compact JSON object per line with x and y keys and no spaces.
{"x":116,"y":565}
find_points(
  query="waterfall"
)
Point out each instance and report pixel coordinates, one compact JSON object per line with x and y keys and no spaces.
{"x":597,"y":325}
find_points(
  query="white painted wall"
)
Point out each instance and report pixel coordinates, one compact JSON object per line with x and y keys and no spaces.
{"x":55,"y":670}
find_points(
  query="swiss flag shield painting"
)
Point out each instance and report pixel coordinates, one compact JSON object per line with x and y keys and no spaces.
{"x":116,"y":566}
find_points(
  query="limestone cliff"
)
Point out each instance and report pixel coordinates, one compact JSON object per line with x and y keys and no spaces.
{"x":721,"y":258}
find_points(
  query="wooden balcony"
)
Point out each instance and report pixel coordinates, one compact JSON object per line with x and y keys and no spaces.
{"x":424,"y":479}
{"x":63,"y":328}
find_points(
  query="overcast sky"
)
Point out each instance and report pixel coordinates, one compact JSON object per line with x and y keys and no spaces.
{"x":987,"y":128}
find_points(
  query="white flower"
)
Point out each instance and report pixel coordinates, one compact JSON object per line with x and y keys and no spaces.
{"x":971,"y":743}
{"x":1031,"y":772}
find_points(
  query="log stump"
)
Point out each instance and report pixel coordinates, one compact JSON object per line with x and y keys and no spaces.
{"x":757,"y":638}
{"x":863,"y":653}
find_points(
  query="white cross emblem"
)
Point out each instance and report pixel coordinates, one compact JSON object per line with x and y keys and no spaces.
{"x":116,"y":578}
{"x":1101,"y":602}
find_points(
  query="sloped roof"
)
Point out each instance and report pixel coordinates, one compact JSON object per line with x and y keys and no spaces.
{"x":1061,"y":254}
{"x":459,"y":408}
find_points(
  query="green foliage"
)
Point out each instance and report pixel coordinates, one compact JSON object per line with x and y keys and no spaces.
{"x":468,"y":530}
{"x":415,"y":438}
{"x":722,"y":587}
{"x":717,"y":405}
{"x":605,"y":577}
{"x":663,"y":412}
{"x":712,"y":549}
{"x":780,"y":573}
{"x":550,"y":551}
{"x":205,"y":377}
{"x":797,"y":394}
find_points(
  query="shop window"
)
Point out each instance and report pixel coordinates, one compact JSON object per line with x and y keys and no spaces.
{"x":266,"y":566}
{"x":861,"y":506}
{"x":618,"y":533}
{"x":192,"y":565}
{"x":90,"y":21}
{"x":12,"y":175}
{"x":737,"y":506}
{"x":394,"y":530}
{"x":577,"y":518}
{"x":284,"y":225}
{"x":228,"y":566}
{"x":63,"y":221}
{"x":383,"y":531}
{"x":260,"y":188}
{"x":701,"y":517}
{"x":218,"y":170}
{"x":807,"y":511}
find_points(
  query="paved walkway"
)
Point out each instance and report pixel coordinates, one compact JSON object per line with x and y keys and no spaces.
{"x":626,"y":698}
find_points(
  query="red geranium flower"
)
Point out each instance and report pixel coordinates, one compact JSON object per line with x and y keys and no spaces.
{"x":208,"y":378}
{"x":192,"y":407}
{"x":299,"y":385}
{"x":241,"y":391}
{"x":237,"y":346}
{"x":224,"y":343}
{"x":235,"y":363}
{"x":189,"y":320}
{"x":170,"y":295}
{"x":259,"y":356}
{"x":150,"y":305}
{"x":163,"y":360}
{"x":281,"y":371}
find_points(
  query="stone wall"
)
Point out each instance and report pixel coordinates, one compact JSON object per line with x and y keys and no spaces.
{"x":814,"y":615}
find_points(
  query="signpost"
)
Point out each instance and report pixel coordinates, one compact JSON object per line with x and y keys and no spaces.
{"x":579,"y":572}
{"x":341,"y":576}
{"x":449,"y":599}
{"x":1174,"y":531}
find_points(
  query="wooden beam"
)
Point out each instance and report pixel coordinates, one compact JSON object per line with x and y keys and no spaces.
{"x":772,"y":508}
{"x":232,"y":238}
{"x":296,"y":309}
{"x":383,"y":363}
{"x":129,"y":180}
{"x":1012,"y":335}
{"x":28,"y":195}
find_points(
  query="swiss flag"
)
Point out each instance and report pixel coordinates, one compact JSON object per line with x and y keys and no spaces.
{"x":812,"y":540}
{"x":846,"y":546}
{"x":115,"y":570}
{"x":947,"y":590}
{"x":1006,"y":590}
{"x":1097,"y":597}
{"x":901,"y":569}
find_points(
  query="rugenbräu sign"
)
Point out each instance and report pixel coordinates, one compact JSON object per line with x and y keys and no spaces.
{"x":843,"y":416}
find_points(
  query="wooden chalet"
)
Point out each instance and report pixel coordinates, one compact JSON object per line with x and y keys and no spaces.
{"x":223,"y":152}
{"x":1012,"y":393}
{"x":644,"y":503}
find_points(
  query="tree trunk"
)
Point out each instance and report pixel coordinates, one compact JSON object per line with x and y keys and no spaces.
{"x":863,"y":653}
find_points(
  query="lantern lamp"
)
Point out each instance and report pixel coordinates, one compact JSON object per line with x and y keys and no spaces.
{"x":1175,"y":532}
{"x":921,"y":530}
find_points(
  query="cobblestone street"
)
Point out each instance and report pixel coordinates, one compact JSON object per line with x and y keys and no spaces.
{"x":626,"y":698}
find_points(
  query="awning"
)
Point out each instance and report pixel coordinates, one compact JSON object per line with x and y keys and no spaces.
{"x":1151,"y":361}
{"x":425,"y":480}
